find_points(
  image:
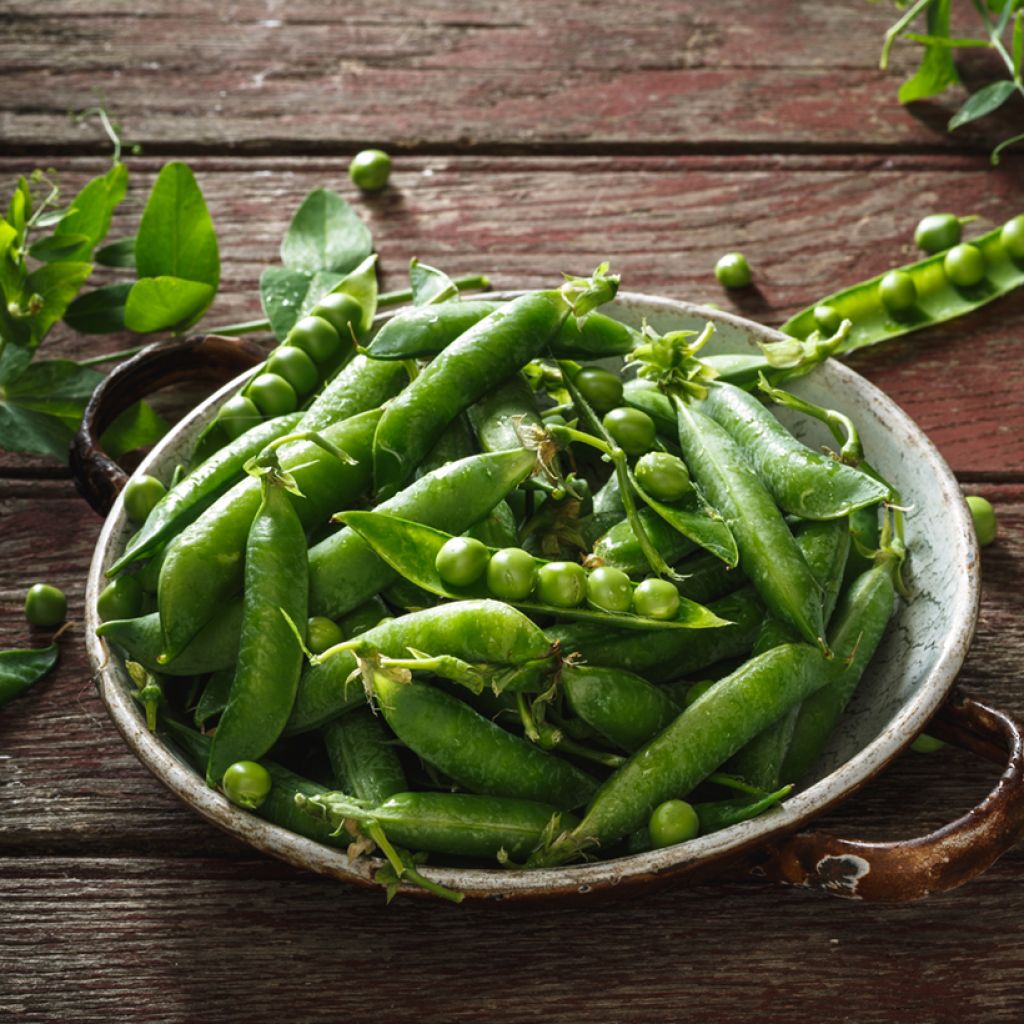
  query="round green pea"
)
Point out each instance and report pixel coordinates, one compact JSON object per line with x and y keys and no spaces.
{"x":827,"y":319}
{"x":322,"y":633}
{"x":937,"y":231}
{"x":45,"y":605}
{"x":609,"y":589}
{"x":316,"y":337}
{"x":898,"y":292}
{"x":1011,"y":237}
{"x":342,"y":312}
{"x":370,"y":169}
{"x":964,"y":265}
{"x":663,"y":476}
{"x":294,"y":366}
{"x":984,"y":516}
{"x":631,"y":429}
{"x":562,"y":584}
{"x":656,"y":599}
{"x":461,"y":561}
{"x":120,"y":599}
{"x":141,"y":494}
{"x":673,"y":822}
{"x":237,"y":415}
{"x":600,"y":387}
{"x":247,"y":784}
{"x":733,"y":270}
{"x":511,"y":573}
{"x":273,"y":395}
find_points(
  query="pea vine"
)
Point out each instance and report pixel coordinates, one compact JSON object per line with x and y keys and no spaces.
{"x":1001,"y":31}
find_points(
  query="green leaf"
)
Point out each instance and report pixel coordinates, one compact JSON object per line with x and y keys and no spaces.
{"x":14,"y":332}
{"x":288,"y":294}
{"x":21,"y":668}
{"x":58,"y":387}
{"x":429,"y":285}
{"x":33,"y":433}
{"x":90,"y":211}
{"x":100,"y":311}
{"x":176,"y":237}
{"x":54,"y":248}
{"x":325,"y":234}
{"x":159,"y":303}
{"x":19,"y":209}
{"x":936,"y":71}
{"x":139,"y":426}
{"x":1018,"y":44}
{"x":58,"y":284}
{"x":118,"y":254}
{"x":13,"y":360}
{"x":983,"y":102}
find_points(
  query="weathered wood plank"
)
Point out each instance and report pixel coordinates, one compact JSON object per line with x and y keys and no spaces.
{"x":808,"y":227}
{"x":68,"y":784}
{"x":205,"y":940}
{"x":309,"y":77}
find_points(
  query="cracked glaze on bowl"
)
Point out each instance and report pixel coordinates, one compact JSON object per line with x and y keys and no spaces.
{"x":906,"y":682}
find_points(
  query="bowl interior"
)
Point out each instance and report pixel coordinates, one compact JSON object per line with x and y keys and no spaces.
{"x":904,"y":685}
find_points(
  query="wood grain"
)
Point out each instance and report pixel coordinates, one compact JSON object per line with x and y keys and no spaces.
{"x":262,"y":77}
{"x":807,"y":228}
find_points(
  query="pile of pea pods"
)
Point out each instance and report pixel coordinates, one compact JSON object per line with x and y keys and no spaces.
{"x":451,"y":590}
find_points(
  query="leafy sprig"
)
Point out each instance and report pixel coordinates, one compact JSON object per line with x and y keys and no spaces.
{"x":1002,"y":31}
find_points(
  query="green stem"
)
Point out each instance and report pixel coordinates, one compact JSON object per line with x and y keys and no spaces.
{"x":843,"y":428}
{"x":895,"y":30}
{"x":111,"y":357}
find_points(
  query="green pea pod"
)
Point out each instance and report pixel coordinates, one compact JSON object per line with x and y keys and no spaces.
{"x":213,"y":648}
{"x":700,"y":739}
{"x":864,"y":537}
{"x":769,"y":555}
{"x":411,"y":550}
{"x":706,"y":578}
{"x":663,"y":655}
{"x":425,"y":331}
{"x":487,"y":354}
{"x":620,"y":548}
{"x":485,"y":632}
{"x":938,"y":299}
{"x":624,"y":708}
{"x":497,"y":529}
{"x":362,"y":752}
{"x":456,"y":824}
{"x":857,"y":629}
{"x":362,"y":384}
{"x":279,"y":808}
{"x":269,"y":654}
{"x":455,"y":443}
{"x":185,"y":502}
{"x":803,"y":482}
{"x":203,"y":565}
{"x":501,"y":414}
{"x":718,"y":814}
{"x":215,"y":696}
{"x":344,"y":571}
{"x":478,"y":754}
{"x":825,"y":546}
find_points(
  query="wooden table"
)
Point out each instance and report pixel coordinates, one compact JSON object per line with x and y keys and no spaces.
{"x":528,"y":139}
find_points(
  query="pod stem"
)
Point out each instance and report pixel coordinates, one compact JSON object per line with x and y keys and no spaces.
{"x":150,"y":693}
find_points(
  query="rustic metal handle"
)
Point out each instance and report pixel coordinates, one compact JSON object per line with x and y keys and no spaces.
{"x":200,"y":357}
{"x":943,"y":860}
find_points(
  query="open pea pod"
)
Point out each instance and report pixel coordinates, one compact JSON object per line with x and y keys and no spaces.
{"x":937,"y":297}
{"x":411,"y":550}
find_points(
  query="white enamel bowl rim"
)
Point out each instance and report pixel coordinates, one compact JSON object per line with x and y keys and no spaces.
{"x":114,"y":687}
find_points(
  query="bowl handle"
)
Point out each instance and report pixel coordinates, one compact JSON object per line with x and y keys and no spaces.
{"x":913,"y":868}
{"x":199,"y":357}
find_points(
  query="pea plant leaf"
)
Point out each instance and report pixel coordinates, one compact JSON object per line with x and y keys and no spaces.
{"x":117,"y":254}
{"x":325,"y":234}
{"x":159,"y":303}
{"x":936,"y":71}
{"x":55,"y":248}
{"x":983,"y":102}
{"x":430,"y":285}
{"x":176,"y":236}
{"x":21,"y":668}
{"x":100,"y":311}
{"x":58,"y":387}
{"x":139,"y":426}
{"x":90,"y":212}
{"x":56,"y":284}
